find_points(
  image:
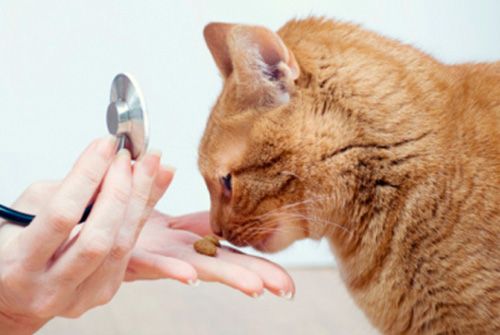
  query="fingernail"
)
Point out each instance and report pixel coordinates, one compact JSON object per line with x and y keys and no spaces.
{"x":286,"y":295}
{"x":257,"y":295}
{"x":123,"y":156}
{"x":123,"y":152}
{"x":169,"y":168}
{"x":193,"y":282}
{"x":151,"y":162}
{"x":106,"y":146}
{"x":155,"y":152}
{"x":94,"y":144}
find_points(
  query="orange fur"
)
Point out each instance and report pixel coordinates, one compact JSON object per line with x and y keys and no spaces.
{"x":329,"y":130}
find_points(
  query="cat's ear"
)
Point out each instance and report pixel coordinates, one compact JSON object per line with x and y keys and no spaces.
{"x":263,"y":68}
{"x":216,"y":37}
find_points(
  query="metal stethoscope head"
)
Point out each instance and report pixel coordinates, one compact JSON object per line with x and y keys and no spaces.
{"x":126,"y":118}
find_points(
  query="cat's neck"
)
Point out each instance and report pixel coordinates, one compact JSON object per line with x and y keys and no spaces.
{"x":382,"y":119}
{"x":390,"y":100}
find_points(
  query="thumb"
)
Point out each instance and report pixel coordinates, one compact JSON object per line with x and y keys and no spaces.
{"x":197,"y":223}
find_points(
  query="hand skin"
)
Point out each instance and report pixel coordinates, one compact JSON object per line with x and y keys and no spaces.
{"x":31,"y":295}
{"x":54,"y":267}
{"x":165,"y":250}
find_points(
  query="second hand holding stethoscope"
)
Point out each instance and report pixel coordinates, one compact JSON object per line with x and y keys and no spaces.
{"x":126,"y":118}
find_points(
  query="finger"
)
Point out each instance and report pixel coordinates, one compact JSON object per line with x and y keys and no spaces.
{"x":100,"y":287}
{"x":98,"y":234}
{"x":162,"y":181}
{"x":32,"y":200}
{"x":111,"y":271}
{"x":274,"y":277}
{"x":146,"y":265}
{"x":142,"y":201}
{"x":218,"y":270}
{"x":51,"y":227}
{"x":139,"y":207}
{"x":197,"y":223}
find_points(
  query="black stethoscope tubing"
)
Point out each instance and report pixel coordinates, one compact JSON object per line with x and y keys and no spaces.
{"x":24,"y":219}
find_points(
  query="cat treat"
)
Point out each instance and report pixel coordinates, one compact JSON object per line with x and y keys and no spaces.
{"x":207,"y":245}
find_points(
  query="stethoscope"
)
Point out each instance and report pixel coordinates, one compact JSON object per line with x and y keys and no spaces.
{"x":126,"y":118}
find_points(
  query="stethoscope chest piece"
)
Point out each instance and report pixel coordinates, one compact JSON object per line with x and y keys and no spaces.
{"x":126,"y":116}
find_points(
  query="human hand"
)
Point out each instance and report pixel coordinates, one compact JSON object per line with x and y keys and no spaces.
{"x":165,"y":250}
{"x":56,"y":268}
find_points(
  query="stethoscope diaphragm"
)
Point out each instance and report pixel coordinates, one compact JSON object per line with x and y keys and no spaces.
{"x":126,"y":116}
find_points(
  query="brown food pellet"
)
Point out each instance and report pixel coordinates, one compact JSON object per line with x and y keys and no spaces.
{"x":207,"y":246}
{"x":213,"y":239}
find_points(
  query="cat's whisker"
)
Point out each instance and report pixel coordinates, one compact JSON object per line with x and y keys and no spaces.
{"x":292,"y":205}
{"x":291,"y":216}
{"x":323,"y":223}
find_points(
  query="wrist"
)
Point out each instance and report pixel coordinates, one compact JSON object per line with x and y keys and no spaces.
{"x":18,"y":325}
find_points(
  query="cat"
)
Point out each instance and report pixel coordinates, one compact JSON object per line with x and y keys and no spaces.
{"x":325,"y":129}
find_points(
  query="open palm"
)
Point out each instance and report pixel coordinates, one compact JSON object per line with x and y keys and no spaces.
{"x":165,"y":250}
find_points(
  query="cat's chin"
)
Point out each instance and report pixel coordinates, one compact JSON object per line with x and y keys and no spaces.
{"x":270,"y":248}
{"x":275,"y":242}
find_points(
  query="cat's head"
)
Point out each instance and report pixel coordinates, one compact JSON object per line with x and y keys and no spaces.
{"x":254,"y":154}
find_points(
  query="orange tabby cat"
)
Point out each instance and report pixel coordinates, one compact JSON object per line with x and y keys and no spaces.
{"x":328,"y":130}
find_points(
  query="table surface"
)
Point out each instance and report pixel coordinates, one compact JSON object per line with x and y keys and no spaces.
{"x":322,"y":305}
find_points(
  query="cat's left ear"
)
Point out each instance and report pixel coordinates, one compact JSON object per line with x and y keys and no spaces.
{"x":263,"y":68}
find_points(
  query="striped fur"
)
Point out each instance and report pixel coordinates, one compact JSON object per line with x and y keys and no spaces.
{"x":388,"y":153}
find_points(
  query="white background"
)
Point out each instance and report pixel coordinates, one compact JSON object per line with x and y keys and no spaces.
{"x":57,"y":60}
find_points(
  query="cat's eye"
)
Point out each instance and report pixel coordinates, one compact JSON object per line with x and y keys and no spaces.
{"x":227,"y":184}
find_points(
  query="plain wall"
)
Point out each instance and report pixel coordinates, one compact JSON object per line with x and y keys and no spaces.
{"x":57,"y":60}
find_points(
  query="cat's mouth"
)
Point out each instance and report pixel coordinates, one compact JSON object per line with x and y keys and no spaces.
{"x":255,"y":238}
{"x":262,"y":243}
{"x":269,"y":240}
